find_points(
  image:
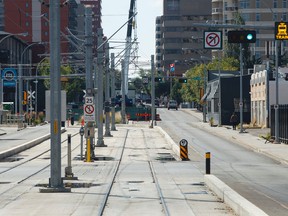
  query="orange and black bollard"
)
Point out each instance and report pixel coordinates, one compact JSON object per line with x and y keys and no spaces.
{"x":208,"y":156}
{"x":184,"y":150}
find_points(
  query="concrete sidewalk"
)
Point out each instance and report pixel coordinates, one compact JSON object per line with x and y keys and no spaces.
{"x":250,"y":139}
{"x":238,"y":203}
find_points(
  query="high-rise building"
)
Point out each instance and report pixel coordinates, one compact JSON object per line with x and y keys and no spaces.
{"x":258,"y":13}
{"x":32,"y":16}
{"x":178,"y":42}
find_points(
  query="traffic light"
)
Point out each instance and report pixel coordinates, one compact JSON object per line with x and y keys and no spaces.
{"x":182,"y":80}
{"x":158,"y":79}
{"x":244,"y":36}
{"x":172,"y":67}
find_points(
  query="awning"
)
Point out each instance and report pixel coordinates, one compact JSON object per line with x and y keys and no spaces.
{"x":208,"y":89}
{"x":214,"y":87}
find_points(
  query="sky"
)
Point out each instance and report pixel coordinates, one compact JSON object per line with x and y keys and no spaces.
{"x":115,"y":14}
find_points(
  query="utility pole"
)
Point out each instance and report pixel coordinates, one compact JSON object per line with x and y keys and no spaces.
{"x":152,"y":91}
{"x":113,"y":94}
{"x":55,"y":181}
{"x":90,"y":132}
{"x":100,"y":140}
{"x":55,"y":106}
{"x":241,"y":88}
{"x":220,"y":98}
{"x":107,"y":92}
{"x":123,"y":105}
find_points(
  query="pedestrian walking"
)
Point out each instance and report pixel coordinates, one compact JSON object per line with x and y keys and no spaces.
{"x":234,"y":120}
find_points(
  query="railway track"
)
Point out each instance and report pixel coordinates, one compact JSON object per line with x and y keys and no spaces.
{"x":134,"y":174}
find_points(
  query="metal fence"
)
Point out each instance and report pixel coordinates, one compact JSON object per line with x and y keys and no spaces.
{"x":283,"y":123}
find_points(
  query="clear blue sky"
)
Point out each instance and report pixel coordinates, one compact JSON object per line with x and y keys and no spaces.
{"x":115,"y":14}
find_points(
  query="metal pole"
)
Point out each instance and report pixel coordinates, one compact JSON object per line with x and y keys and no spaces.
{"x":100,"y":140}
{"x":241,"y":89}
{"x":204,"y":102}
{"x":123,"y":114}
{"x":208,"y":162}
{"x":219,"y":102}
{"x":68,"y":170}
{"x":20,"y":89}
{"x":152,"y":92}
{"x":113,"y":94}
{"x":277,"y":95}
{"x":267,"y":94}
{"x":55,"y":90}
{"x":107,"y":92}
{"x":88,"y":64}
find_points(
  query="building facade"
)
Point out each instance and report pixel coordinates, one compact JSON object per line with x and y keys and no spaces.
{"x":177,"y":41}
{"x":258,"y":13}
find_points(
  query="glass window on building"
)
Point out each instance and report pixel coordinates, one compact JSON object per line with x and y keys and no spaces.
{"x":275,"y":16}
{"x":284,"y":17}
{"x":284,"y":4}
{"x":173,"y":5}
{"x":275,"y":3}
{"x":257,"y":17}
{"x":257,"y":3}
{"x":245,"y":17}
{"x":244,"y":4}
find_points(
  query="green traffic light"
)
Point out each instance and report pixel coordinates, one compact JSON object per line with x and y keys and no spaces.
{"x":249,"y":36}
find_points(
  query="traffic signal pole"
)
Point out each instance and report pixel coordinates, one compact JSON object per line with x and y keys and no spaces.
{"x":241,"y":89}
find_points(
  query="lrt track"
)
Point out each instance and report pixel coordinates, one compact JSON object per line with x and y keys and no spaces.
{"x":162,"y":200}
{"x":11,"y":170}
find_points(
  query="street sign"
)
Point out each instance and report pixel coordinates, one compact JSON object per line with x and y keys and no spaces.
{"x":213,"y":40}
{"x":89,"y":100}
{"x":281,"y":31}
{"x":89,"y":113}
{"x":31,"y":94}
{"x":9,"y":74}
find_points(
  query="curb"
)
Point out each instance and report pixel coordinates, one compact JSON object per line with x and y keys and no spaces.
{"x":25,"y":146}
{"x":239,"y":204}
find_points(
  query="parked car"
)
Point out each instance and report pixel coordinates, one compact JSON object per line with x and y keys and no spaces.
{"x":172,"y":104}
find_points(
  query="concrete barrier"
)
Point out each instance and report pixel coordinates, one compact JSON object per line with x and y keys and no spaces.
{"x":24,"y":146}
{"x":175,"y":148}
{"x":239,"y":204}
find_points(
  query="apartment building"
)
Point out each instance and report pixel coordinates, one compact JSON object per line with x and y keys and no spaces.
{"x":178,"y":42}
{"x":258,"y":13}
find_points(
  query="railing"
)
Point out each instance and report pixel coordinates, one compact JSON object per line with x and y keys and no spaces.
{"x":13,"y":119}
{"x":283,"y":123}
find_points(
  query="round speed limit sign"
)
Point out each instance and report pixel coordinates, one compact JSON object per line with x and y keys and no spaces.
{"x":183,"y":142}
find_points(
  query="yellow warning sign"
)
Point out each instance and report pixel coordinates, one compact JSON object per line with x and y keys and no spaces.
{"x":281,"y":31}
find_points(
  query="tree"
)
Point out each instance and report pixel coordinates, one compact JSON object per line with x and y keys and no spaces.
{"x":74,"y":87}
{"x":192,"y":90}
